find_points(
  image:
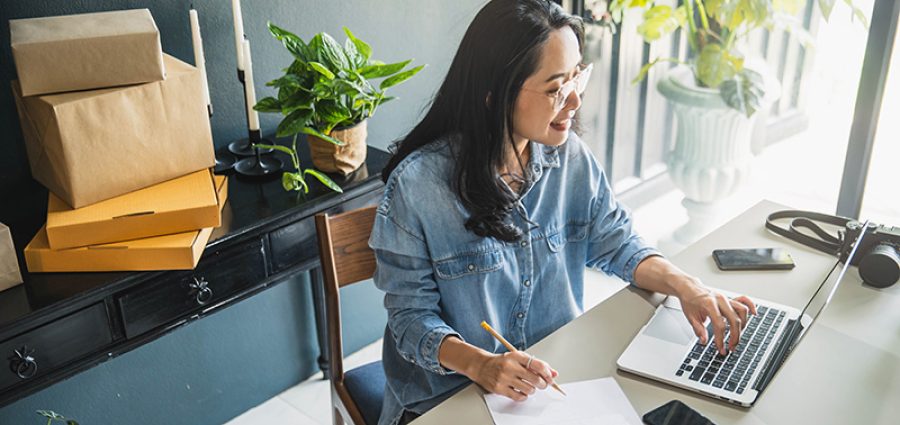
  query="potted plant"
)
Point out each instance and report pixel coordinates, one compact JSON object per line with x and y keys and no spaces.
{"x":327,"y":94}
{"x":716,"y":92}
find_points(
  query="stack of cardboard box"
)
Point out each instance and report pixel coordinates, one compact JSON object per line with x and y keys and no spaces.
{"x":118,"y":131}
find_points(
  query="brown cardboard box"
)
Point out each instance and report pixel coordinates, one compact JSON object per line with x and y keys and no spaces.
{"x":180,"y":251}
{"x":9,"y":264}
{"x":87,"y":51}
{"x":89,"y":146}
{"x":179,"y":205}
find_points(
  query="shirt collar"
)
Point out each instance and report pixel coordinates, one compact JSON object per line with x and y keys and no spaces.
{"x":545,"y":156}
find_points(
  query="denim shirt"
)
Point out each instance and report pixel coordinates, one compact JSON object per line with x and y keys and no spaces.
{"x":440,"y":279}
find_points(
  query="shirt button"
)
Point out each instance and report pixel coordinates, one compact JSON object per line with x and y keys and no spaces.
{"x":527,"y":283}
{"x":471,"y":267}
{"x":524,"y":243}
{"x":520,"y":315}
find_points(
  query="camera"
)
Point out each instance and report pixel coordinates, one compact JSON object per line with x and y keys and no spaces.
{"x":878,"y":255}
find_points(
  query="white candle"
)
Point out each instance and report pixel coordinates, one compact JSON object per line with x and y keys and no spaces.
{"x":199,"y":59}
{"x":249,"y":90}
{"x":238,"y":32}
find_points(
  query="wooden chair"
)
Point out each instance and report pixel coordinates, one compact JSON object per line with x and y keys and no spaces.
{"x":356,"y":395}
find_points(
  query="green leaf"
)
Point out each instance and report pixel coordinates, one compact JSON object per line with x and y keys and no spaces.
{"x":382,"y":70}
{"x":268,"y":104}
{"x":356,"y":59}
{"x":297,"y":67}
{"x":333,"y":53}
{"x":744,"y":92}
{"x":826,"y":6}
{"x":790,"y":7}
{"x":294,"y":181}
{"x":332,"y":111}
{"x":713,"y":7}
{"x":290,"y":41}
{"x":322,"y":69}
{"x":858,"y":14}
{"x":658,"y":21}
{"x":313,"y":132}
{"x":293,"y":123}
{"x":364,"y":49}
{"x":399,"y":78}
{"x":753,"y":13}
{"x":324,"y":179}
{"x":288,"y":80}
{"x":350,"y":88}
{"x":715,"y":65}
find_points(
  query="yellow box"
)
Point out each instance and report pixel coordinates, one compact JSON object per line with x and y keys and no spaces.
{"x":179,"y":205}
{"x":180,"y":251}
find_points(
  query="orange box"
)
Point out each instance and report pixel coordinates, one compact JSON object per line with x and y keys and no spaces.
{"x":180,"y":251}
{"x":179,"y":205}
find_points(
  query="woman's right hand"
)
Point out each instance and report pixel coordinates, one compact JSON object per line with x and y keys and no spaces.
{"x":506,"y":374}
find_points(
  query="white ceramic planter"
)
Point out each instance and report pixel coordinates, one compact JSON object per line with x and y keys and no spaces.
{"x":712,"y":153}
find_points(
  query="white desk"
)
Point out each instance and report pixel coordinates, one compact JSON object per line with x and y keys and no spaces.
{"x":845,"y":371}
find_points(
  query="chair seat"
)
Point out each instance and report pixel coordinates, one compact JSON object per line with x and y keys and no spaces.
{"x":366,"y":386}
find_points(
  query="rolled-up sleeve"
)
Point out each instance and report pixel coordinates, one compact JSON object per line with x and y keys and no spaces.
{"x":403,"y":271}
{"x":614,"y":246}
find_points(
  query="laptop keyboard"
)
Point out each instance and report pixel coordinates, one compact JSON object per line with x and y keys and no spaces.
{"x":732,"y":371}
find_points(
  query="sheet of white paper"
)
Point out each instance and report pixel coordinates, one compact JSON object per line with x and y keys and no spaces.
{"x":596,"y":401}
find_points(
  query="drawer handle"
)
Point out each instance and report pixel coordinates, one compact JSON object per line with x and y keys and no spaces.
{"x":23,"y":364}
{"x":204,"y":292}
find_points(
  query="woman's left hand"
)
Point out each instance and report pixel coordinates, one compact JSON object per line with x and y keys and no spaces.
{"x":699,"y":303}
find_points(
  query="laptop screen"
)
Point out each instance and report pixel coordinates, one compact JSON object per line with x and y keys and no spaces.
{"x":827,"y":289}
{"x":813,"y":309}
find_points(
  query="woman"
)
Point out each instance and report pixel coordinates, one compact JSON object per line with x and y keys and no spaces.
{"x":493,"y":209}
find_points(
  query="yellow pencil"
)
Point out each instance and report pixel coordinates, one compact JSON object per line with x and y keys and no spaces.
{"x":512,"y":349}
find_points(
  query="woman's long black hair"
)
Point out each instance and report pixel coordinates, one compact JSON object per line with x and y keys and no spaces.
{"x":475,"y":104}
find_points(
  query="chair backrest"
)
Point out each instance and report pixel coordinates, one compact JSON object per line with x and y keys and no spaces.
{"x":346,"y":259}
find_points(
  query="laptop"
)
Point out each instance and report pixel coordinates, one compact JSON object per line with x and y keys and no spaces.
{"x":667,"y":350}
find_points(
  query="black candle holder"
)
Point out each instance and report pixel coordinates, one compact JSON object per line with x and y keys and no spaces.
{"x":224,"y":162}
{"x":243,"y":147}
{"x":258,"y":165}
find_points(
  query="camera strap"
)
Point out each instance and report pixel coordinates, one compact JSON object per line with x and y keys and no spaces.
{"x":825,"y":242}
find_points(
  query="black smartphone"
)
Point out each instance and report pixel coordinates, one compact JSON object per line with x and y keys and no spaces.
{"x":675,"y":413}
{"x":753,"y":259}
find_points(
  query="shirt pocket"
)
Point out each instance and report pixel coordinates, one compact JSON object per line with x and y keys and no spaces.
{"x":468,"y":264}
{"x":572,"y":232}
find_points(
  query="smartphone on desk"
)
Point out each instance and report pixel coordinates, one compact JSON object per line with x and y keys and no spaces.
{"x":753,"y":259}
{"x":675,"y":413}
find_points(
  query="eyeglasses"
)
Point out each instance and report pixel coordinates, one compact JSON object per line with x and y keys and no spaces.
{"x":577,"y":84}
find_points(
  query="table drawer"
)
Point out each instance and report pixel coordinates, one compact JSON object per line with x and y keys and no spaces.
{"x":41,"y":350}
{"x":177,"y":295}
{"x":296,"y":242}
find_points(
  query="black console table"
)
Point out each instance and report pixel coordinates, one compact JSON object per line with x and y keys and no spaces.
{"x":69,"y":322}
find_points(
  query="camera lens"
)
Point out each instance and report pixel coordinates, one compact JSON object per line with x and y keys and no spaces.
{"x":881,"y":266}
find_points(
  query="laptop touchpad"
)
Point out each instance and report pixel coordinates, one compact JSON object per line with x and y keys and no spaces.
{"x":670,"y":325}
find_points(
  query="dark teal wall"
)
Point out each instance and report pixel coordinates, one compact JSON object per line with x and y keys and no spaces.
{"x":214,"y":369}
